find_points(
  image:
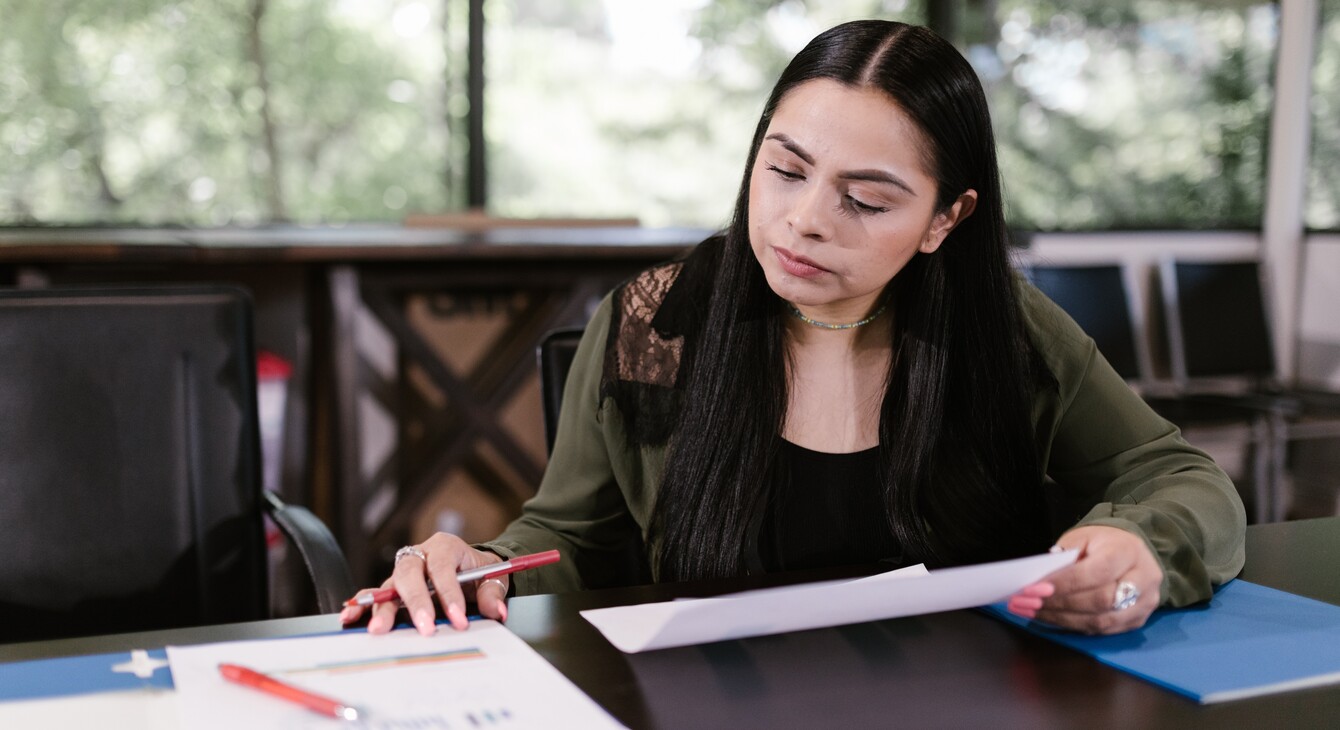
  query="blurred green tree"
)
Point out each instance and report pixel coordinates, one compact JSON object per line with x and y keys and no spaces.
{"x":220,"y":112}
{"x":1128,"y":114}
{"x":1323,"y":202}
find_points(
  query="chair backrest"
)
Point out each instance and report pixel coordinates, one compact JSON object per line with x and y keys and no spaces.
{"x":1217,"y":323}
{"x":129,"y":461}
{"x":555,"y":353}
{"x":1096,"y":297}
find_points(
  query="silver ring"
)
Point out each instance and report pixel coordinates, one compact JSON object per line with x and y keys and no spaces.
{"x":486,"y":581}
{"x":1126,"y":596}
{"x":407,"y":551}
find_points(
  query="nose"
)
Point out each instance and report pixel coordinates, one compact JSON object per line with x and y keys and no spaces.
{"x":810,"y":214}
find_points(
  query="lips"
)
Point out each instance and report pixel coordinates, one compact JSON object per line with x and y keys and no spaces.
{"x":797,"y":265}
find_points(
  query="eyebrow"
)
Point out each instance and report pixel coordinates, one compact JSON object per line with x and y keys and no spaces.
{"x":872,"y":175}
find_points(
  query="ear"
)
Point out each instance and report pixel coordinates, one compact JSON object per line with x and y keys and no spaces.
{"x":945,"y":221}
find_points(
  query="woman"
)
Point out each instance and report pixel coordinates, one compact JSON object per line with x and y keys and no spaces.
{"x":849,"y":373}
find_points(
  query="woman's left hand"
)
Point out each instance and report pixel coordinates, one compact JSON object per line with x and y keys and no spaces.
{"x":1085,"y":596}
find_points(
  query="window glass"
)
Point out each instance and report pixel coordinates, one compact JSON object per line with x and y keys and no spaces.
{"x":1323,"y":204}
{"x":1128,"y":113}
{"x":217,"y":112}
{"x":1120,"y":114}
{"x":634,"y":108}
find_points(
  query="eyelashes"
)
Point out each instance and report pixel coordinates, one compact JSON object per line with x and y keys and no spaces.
{"x":849,"y":205}
{"x":863,"y":207}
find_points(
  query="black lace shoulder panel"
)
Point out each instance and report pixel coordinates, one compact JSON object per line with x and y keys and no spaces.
{"x":654,"y":324}
{"x":641,"y":366}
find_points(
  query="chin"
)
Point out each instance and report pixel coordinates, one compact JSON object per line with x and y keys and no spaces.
{"x":798,"y":292}
{"x":782,"y":285}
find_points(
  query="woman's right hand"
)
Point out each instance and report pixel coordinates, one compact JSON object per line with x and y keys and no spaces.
{"x":444,"y":556}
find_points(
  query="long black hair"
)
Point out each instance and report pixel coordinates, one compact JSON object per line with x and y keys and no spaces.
{"x":959,"y":468}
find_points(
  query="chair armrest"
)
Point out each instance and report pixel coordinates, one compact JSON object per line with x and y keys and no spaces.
{"x":1223,"y":405}
{"x":1279,"y":404}
{"x":1323,"y":400}
{"x":325,"y":561}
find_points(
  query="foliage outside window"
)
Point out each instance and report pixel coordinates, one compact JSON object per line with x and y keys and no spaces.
{"x":639,"y":108}
{"x":1109,"y":113}
{"x":1121,"y":115}
{"x":217,"y":112}
{"x":1323,"y":202}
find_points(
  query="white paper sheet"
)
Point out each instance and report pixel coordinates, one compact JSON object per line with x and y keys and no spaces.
{"x":810,"y":606}
{"x":485,"y":677}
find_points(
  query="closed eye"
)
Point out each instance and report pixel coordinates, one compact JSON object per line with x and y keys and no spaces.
{"x":786,"y":174}
{"x":864,"y":207}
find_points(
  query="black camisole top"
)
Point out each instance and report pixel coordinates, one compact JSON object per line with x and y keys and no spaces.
{"x":822,"y":510}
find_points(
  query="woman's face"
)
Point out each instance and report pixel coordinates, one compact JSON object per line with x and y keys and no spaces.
{"x":840,"y":199}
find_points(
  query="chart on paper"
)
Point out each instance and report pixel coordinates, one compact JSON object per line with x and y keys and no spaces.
{"x":478,"y":679}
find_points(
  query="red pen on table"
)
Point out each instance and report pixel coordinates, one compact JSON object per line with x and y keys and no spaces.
{"x":271,"y":686}
{"x":520,"y":562}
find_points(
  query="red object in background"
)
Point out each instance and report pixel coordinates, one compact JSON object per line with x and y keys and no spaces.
{"x":272,"y":377}
{"x":270,"y":366}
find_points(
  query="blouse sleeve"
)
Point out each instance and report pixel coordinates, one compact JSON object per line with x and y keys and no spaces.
{"x":579,"y":508}
{"x":1105,"y":447}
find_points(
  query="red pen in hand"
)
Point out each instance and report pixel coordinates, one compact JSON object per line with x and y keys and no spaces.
{"x":520,"y":562}
{"x":271,"y":686}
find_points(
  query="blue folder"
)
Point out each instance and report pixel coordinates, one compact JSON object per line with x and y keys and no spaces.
{"x":87,"y":674}
{"x":84,"y":674}
{"x":1249,"y":640}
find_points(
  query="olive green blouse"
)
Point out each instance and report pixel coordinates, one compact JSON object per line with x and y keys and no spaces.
{"x":1110,"y":459}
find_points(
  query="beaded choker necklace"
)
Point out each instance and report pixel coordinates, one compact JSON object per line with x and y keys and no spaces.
{"x":825,"y":325}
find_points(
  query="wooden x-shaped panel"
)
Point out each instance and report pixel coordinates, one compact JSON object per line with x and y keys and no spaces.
{"x":446,"y":411}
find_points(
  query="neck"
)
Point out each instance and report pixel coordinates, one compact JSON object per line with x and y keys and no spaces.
{"x":836,"y":381}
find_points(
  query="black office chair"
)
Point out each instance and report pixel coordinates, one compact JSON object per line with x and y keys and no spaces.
{"x":1217,"y":325}
{"x":1096,"y":298}
{"x":1220,"y":343}
{"x":130,"y":491}
{"x":1219,"y":334}
{"x":628,"y":566}
{"x":555,"y":354}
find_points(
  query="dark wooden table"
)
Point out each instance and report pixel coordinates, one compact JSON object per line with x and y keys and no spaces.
{"x":956,"y":669}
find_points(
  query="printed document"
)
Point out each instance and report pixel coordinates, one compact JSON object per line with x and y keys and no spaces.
{"x":485,"y":677}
